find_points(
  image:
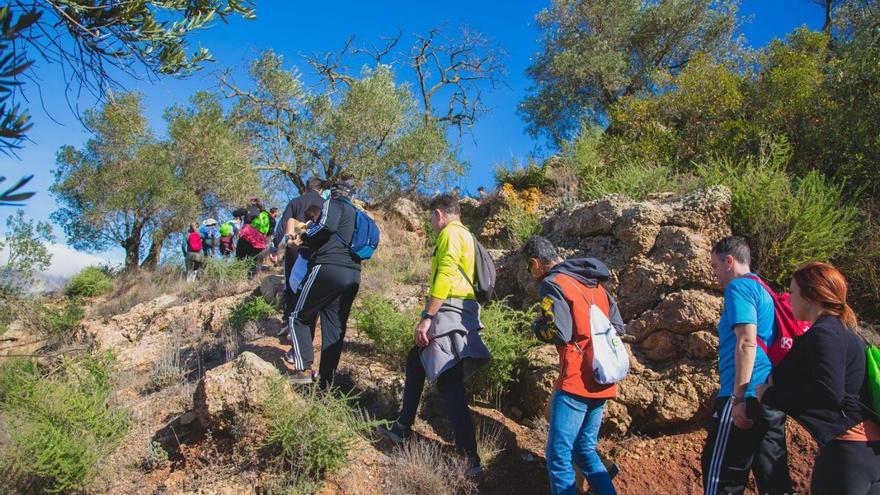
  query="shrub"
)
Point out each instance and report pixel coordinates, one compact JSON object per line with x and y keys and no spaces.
{"x":222,"y":277}
{"x":58,"y":325}
{"x":422,"y":467}
{"x":635,"y":181}
{"x":389,"y":329}
{"x":313,"y":433}
{"x":250,"y":309}
{"x":522,"y":177}
{"x":787,"y":221}
{"x":90,"y":282}
{"x":60,"y":424}
{"x":506,"y":333}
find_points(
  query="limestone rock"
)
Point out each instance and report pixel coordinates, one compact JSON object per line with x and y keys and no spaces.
{"x":681,"y":312}
{"x":233,"y":389}
{"x":702,"y":345}
{"x":409,"y":214}
{"x":663,"y":345}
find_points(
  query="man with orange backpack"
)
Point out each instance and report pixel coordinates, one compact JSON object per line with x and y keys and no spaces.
{"x":579,"y":316}
{"x":744,"y":435}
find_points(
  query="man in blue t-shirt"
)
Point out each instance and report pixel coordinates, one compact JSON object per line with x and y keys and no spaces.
{"x":744,"y":435}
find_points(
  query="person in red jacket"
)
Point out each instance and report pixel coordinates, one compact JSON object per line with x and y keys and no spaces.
{"x":567,"y":290}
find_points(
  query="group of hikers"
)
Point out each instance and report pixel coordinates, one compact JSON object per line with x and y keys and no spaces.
{"x":245,"y":237}
{"x":811,"y":366}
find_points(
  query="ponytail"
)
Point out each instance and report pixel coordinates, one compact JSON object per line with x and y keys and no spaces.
{"x":848,"y":317}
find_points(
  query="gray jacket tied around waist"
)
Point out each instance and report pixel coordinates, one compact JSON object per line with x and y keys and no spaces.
{"x":455,"y":336}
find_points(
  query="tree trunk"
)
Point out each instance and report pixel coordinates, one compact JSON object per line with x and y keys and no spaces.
{"x":132,"y":247}
{"x":157,"y":241}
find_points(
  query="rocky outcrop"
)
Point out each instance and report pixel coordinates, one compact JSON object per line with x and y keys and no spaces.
{"x":408,"y":213}
{"x":272,"y":288}
{"x":229,"y":392}
{"x":139,"y":336}
{"x":658,"y":253}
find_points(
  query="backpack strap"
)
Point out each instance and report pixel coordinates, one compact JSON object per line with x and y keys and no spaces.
{"x":461,"y":270}
{"x":354,"y":229}
{"x":591,"y":302}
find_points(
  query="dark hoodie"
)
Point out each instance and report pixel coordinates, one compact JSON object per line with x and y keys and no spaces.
{"x":567,"y":293}
{"x":588,"y":271}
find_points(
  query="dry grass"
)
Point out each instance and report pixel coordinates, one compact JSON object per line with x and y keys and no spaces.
{"x":131,"y":289}
{"x":423,"y":467}
{"x":489,"y":443}
{"x":402,"y":258}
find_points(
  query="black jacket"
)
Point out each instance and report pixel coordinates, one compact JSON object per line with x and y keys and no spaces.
{"x":296,"y":208}
{"x":328,"y":240}
{"x":822,"y":380}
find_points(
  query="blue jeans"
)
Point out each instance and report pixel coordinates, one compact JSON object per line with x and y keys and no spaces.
{"x":574,"y":436}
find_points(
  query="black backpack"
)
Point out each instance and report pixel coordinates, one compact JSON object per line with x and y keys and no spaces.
{"x":484,"y":285}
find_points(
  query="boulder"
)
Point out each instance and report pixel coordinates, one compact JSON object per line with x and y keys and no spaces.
{"x":409,"y":214}
{"x":272,"y":288}
{"x":229,"y":392}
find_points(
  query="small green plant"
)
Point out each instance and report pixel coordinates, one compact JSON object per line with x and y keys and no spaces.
{"x":506,"y":333}
{"x":61,"y":423}
{"x":155,"y":458}
{"x":250,"y":309}
{"x":389,"y":329}
{"x":312,"y":433}
{"x":90,"y":282}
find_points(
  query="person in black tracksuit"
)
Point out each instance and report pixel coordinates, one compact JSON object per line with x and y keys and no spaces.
{"x":822,"y":383}
{"x":296,"y":208}
{"x":329,"y":288}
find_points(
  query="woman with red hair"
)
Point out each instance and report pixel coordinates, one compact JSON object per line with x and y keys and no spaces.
{"x":822,"y":383}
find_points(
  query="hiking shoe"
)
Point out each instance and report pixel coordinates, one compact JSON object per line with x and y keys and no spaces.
{"x":304,"y":377}
{"x":397,"y":433}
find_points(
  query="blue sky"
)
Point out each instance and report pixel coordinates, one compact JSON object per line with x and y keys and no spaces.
{"x":304,"y":28}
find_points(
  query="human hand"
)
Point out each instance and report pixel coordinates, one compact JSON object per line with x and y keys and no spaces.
{"x":420,"y":335}
{"x":273,"y":258}
{"x":740,"y":417}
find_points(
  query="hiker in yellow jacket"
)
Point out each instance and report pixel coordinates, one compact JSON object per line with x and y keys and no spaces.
{"x":448,"y":347}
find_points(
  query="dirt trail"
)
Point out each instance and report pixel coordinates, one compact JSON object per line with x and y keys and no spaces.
{"x":664,"y":464}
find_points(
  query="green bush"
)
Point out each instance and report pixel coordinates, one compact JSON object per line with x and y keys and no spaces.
{"x":390,"y":330}
{"x":90,"y":282}
{"x":312,"y":433}
{"x":250,"y":309}
{"x":224,"y":271}
{"x":522,"y":177}
{"x":787,"y":221}
{"x":507,"y":335}
{"x":635,"y":181}
{"x":59,"y":325}
{"x":60,"y":424}
{"x":521,"y":224}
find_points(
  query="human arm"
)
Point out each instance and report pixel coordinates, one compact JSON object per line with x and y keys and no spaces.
{"x":820,"y":356}
{"x":744,"y":363}
{"x":554,"y":317}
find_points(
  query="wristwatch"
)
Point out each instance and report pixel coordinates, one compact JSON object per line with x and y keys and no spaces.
{"x":738,"y":400}
{"x":426,"y":315}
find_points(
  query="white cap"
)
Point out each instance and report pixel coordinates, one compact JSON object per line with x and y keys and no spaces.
{"x":209,"y":221}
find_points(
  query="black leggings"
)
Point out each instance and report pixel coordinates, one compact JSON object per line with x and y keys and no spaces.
{"x":847,"y":468}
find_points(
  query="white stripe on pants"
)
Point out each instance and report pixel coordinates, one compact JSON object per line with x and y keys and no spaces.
{"x":714,"y":474}
{"x":304,"y":293}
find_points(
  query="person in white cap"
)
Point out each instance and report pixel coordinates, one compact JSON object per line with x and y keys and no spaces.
{"x":210,"y":237}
